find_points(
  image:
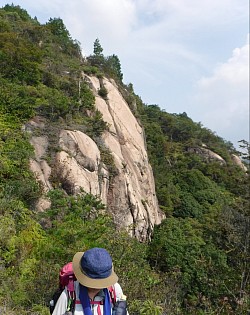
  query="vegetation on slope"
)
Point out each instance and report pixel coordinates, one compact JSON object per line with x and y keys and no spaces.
{"x":205,"y":235}
{"x":198,"y":259}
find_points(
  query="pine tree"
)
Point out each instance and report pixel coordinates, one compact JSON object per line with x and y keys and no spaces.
{"x":98,"y":48}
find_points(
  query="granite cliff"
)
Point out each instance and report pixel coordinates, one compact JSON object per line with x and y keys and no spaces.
{"x":129,"y":192}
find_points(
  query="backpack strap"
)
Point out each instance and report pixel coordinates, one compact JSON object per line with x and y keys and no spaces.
{"x":112,"y":294}
{"x":71,"y":294}
{"x":99,"y":312}
{"x":91,"y":302}
{"x":70,"y":285}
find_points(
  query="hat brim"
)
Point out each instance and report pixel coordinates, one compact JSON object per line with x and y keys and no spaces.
{"x":89,"y":282}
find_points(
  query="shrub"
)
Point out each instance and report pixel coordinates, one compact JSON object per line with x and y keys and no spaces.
{"x":103,"y":92}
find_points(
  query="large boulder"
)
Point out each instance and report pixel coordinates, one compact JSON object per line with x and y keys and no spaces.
{"x":237,"y":161}
{"x":207,"y":154}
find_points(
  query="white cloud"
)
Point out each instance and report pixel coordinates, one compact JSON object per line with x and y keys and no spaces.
{"x":222,"y":99}
{"x":201,"y":10}
{"x":234,"y":72}
{"x":108,"y":20}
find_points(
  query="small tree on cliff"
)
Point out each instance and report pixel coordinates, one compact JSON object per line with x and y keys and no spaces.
{"x":98,"y":48}
{"x":113,"y":66}
{"x":110,"y":65}
{"x":245,"y":153}
{"x":97,"y":59}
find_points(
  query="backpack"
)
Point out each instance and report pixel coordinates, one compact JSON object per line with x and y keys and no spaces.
{"x":66,"y":280}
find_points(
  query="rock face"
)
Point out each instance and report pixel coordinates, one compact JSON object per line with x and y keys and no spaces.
{"x":237,"y":161}
{"x":129,"y":193}
{"x":39,"y":165}
{"x":207,"y":155}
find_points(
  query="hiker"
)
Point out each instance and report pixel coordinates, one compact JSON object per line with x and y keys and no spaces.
{"x":94,"y":272}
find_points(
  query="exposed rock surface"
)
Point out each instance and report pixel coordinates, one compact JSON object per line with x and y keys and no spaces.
{"x":79,"y":164}
{"x":207,"y":154}
{"x":130,"y":193}
{"x":237,"y":161}
{"x":39,"y":165}
{"x":136,"y":193}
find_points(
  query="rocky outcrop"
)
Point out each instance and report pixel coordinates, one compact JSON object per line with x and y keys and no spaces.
{"x":79,"y":165}
{"x":129,"y":193}
{"x":237,"y":161}
{"x":125,"y":139}
{"x":207,"y":154}
{"x":39,"y":165}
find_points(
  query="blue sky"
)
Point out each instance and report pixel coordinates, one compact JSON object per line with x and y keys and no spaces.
{"x":184,"y":55}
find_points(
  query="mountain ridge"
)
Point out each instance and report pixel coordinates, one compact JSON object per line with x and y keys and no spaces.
{"x":191,"y":257}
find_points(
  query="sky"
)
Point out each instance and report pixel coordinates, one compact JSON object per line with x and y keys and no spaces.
{"x":184,"y":55}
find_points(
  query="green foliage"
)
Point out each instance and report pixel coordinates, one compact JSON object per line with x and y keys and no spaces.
{"x":149,"y":308}
{"x":139,"y":282}
{"x":197,"y":194}
{"x":110,"y":65}
{"x":113,"y":67}
{"x":62,"y":37}
{"x":245,"y":147}
{"x":91,"y":70}
{"x":199,"y":236}
{"x":23,"y":14}
{"x":20,"y":59}
{"x":52,"y":103}
{"x":16,"y":105}
{"x":81,"y":205}
{"x":108,"y":160}
{"x":97,"y":59}
{"x":16,"y":180}
{"x":98,"y":48}
{"x":198,"y":259}
{"x":19,"y":253}
{"x":179,"y":244}
{"x":87,"y":98}
{"x":95,"y":124}
{"x":45,"y":57}
{"x":188,"y":206}
{"x":103,"y":92}
{"x":58,"y":28}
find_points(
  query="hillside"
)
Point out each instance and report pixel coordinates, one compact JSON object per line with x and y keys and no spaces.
{"x":84,"y":162}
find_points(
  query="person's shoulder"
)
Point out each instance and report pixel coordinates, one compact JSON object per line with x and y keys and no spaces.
{"x":117,"y":285}
{"x":118,"y":290}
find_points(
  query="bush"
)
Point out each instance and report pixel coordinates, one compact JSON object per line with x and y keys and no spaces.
{"x":103,"y":92}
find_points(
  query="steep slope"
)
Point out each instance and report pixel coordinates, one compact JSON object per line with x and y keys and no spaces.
{"x":129,"y":192}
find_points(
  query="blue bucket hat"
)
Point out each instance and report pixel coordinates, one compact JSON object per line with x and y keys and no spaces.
{"x":94,"y":268}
